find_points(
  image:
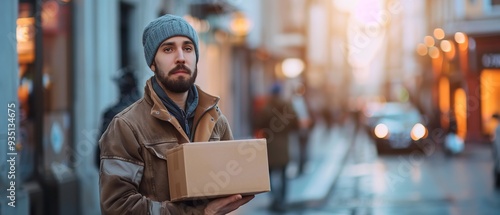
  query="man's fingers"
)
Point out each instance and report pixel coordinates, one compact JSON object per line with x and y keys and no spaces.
{"x":235,"y":205}
{"x":243,"y":200}
{"x":227,"y":204}
{"x":246,"y":199}
{"x":230,"y":199}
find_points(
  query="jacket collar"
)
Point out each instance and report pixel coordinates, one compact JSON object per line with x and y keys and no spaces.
{"x":206,"y":102}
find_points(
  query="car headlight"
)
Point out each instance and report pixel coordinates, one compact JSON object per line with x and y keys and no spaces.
{"x":381,"y":131}
{"x":418,"y":132}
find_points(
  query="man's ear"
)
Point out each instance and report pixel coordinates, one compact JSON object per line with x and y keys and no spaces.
{"x":153,"y":67}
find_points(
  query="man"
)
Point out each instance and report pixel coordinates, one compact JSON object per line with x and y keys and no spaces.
{"x":304,"y":124}
{"x":173,"y":111}
{"x":277,"y":135}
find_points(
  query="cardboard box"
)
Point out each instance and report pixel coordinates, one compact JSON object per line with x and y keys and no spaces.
{"x":214,"y":169}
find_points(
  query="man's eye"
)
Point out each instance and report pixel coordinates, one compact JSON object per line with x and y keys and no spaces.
{"x":188,"y":48}
{"x":167,"y":49}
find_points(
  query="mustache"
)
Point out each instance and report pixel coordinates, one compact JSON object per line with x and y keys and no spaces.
{"x":180,"y":67}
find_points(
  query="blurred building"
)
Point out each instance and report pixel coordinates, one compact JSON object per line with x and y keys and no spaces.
{"x":61,"y":57}
{"x":463,"y":47}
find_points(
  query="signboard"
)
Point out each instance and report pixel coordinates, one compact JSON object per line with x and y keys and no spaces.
{"x":490,"y":60}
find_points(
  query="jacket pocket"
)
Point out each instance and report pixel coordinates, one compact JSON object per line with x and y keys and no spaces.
{"x":160,"y":148}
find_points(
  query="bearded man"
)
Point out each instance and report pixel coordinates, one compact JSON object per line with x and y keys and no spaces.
{"x":133,"y":161}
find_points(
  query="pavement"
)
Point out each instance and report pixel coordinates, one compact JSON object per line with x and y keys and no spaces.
{"x":327,"y":149}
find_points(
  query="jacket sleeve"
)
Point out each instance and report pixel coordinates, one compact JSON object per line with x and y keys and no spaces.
{"x":121,"y":171}
{"x":226,"y":133}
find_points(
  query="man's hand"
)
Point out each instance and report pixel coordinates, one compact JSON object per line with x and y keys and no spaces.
{"x":227,"y":204}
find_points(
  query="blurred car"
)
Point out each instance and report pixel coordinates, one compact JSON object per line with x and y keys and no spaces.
{"x":394,"y":126}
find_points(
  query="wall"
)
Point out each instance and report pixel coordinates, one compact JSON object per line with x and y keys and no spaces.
{"x":8,"y":87}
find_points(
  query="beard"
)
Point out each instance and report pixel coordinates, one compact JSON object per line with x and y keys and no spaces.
{"x":179,"y":84}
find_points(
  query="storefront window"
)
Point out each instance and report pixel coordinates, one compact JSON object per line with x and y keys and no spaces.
{"x":444,"y":100}
{"x":460,"y":106}
{"x":490,"y":98}
{"x":25,"y":36}
{"x":45,"y":125}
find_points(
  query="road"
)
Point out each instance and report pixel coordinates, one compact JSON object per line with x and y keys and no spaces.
{"x":414,"y":183}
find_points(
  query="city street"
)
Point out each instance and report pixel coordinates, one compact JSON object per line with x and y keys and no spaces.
{"x":97,"y":94}
{"x":399,"y":184}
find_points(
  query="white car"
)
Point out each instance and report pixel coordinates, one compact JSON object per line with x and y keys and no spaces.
{"x":394,"y":125}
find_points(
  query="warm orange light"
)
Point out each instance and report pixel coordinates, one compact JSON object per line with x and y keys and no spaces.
{"x":381,"y":131}
{"x":490,"y":104}
{"x":445,"y":45}
{"x":429,"y":41}
{"x":452,"y":52}
{"x":292,"y":67}
{"x":25,"y":35}
{"x":418,"y":132}
{"x":462,"y":41}
{"x":444,"y":95}
{"x":240,"y":25}
{"x":461,"y":112}
{"x":278,"y":71}
{"x":434,"y":52}
{"x":421,"y":49}
{"x":439,"y":33}
{"x":23,"y":93}
{"x":460,"y":37}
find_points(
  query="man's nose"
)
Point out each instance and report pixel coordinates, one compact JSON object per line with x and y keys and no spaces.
{"x":180,"y":57}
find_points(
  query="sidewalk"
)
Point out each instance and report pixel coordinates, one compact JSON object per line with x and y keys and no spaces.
{"x":327,"y":152}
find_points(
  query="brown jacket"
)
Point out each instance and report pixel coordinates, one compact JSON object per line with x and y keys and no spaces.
{"x":133,"y":170}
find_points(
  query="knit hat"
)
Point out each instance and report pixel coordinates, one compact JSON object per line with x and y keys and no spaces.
{"x":165,"y":27}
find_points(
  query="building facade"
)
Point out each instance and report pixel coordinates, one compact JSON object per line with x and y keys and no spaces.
{"x":465,"y":64}
{"x":61,"y":57}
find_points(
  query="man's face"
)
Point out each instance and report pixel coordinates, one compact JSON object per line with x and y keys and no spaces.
{"x":175,"y":64}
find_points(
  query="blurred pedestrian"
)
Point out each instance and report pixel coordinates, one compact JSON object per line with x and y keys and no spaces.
{"x":133,"y":175}
{"x":496,"y":152}
{"x":453,"y":143}
{"x":127,"y":85}
{"x":305,"y":123}
{"x":277,"y":121}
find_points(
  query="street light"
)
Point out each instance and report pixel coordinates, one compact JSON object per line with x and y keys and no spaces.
{"x":460,"y":37}
{"x":240,"y":25}
{"x":292,"y":67}
{"x":429,"y":41}
{"x":422,"y":49}
{"x":439,"y":33}
{"x":445,"y":46}
{"x":462,"y":41}
{"x":434,"y":52}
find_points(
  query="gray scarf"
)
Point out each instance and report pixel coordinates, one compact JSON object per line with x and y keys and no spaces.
{"x":185,"y":117}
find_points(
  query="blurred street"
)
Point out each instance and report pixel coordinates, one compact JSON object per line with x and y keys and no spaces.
{"x":339,"y":80}
{"x":361,"y":182}
{"x":328,"y":151}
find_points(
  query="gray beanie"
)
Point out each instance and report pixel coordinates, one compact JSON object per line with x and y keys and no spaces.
{"x":163,"y":28}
